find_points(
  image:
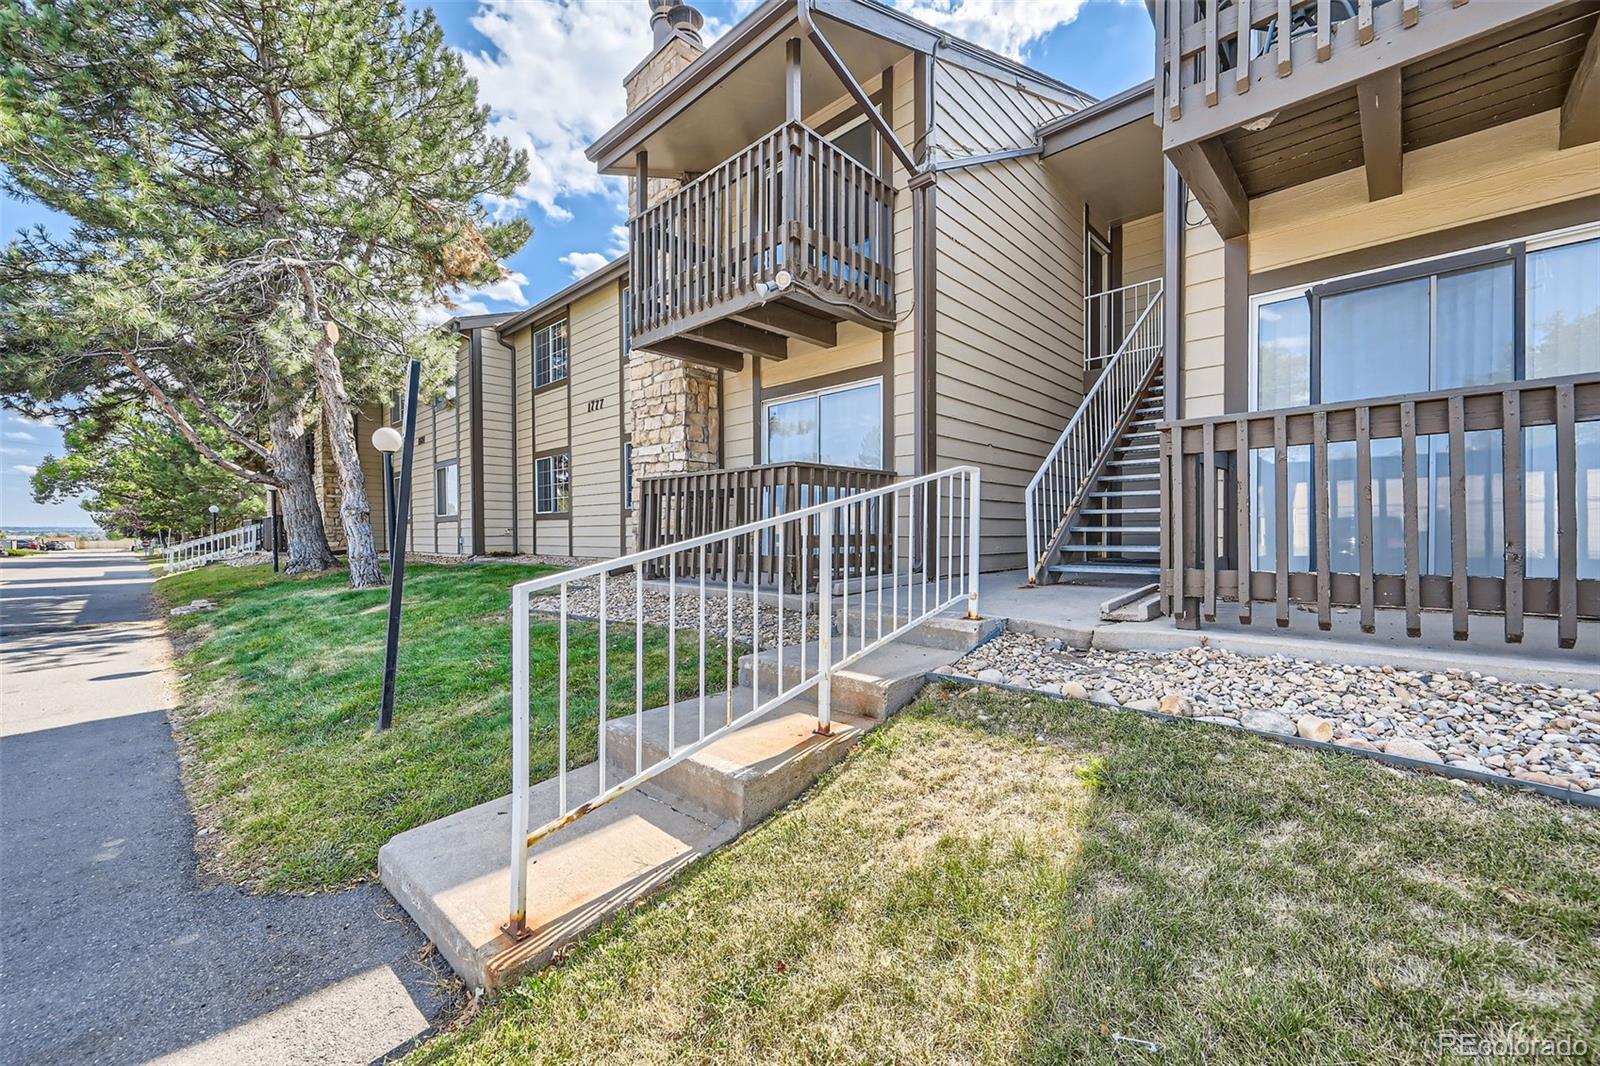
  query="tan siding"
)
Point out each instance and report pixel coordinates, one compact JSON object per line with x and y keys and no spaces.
{"x":443,"y":434}
{"x":738,"y":427}
{"x":368,"y":419}
{"x":1509,"y":168}
{"x":550,"y":417}
{"x":521,"y":342}
{"x":1202,"y":319}
{"x":1141,"y":249}
{"x":497,"y":435}
{"x":596,"y":332}
{"x":1009,"y":315}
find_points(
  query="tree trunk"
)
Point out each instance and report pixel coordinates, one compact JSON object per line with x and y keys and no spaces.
{"x":302,"y":517}
{"x":355,"y":513}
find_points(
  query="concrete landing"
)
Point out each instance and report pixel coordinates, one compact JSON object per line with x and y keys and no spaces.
{"x":453,"y":877}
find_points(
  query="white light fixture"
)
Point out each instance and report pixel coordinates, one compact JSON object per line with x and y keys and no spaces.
{"x":1259,"y":124}
{"x":780,"y":281}
{"x":387,"y":439}
{"x":214,"y":509}
{"x":450,"y":392}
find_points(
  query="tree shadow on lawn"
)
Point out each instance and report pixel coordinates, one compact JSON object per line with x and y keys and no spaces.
{"x":1240,"y":902}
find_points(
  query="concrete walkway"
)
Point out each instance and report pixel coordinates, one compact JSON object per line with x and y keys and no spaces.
{"x":112,"y":949}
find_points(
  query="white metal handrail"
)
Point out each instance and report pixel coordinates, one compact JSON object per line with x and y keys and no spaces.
{"x":1110,"y":318}
{"x":1072,"y":463}
{"x":884,"y":559}
{"x":209,"y":549}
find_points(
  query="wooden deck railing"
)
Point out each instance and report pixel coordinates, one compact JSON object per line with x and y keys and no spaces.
{"x":674,"y":507}
{"x":715,"y":242}
{"x":1210,"y":526}
{"x":1219,"y":67}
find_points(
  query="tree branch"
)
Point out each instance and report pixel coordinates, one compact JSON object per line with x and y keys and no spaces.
{"x":188,"y":431}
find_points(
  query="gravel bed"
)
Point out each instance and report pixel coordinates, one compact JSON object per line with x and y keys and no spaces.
{"x":1542,"y":733}
{"x":583,"y":601}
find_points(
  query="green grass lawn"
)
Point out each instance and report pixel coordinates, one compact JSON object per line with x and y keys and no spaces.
{"x":281,"y":693}
{"x":994,"y":877}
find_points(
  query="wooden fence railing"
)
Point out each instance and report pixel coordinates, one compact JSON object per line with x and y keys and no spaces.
{"x":675,"y":507}
{"x":1527,"y":494}
{"x":722,"y":236}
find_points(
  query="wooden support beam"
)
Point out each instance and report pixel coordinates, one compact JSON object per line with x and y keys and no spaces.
{"x":1580,"y":111}
{"x":1209,"y":172}
{"x":693,"y":351}
{"x":1379,"y":100}
{"x":739,"y":337}
{"x":791,"y":79}
{"x":777,"y":318}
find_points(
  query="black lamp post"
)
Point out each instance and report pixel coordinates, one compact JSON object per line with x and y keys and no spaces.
{"x":401,"y":506}
{"x":214,"y":509}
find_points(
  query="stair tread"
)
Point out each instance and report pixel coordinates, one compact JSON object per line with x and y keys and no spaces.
{"x":1113,"y":549}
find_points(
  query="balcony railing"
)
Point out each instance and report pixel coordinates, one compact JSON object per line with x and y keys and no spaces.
{"x":791,"y":201}
{"x":1380,"y":504}
{"x":674,"y":507}
{"x":1224,"y":64}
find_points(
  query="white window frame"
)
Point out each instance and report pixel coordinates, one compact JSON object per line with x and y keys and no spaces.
{"x":547,"y":374}
{"x":561,"y":490}
{"x":766,"y":413}
{"x":447,"y":504}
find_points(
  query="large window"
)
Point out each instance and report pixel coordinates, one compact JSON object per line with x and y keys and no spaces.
{"x":840,"y":427}
{"x":1521,"y":311}
{"x":447,"y":490}
{"x":550,"y":354}
{"x":552,"y":484}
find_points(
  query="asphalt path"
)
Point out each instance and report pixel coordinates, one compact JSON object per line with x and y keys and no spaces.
{"x":113,"y":948}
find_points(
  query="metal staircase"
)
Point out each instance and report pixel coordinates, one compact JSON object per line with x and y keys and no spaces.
{"x":1117,"y":530}
{"x":1094,"y":506}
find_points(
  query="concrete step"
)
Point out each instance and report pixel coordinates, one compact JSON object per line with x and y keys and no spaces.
{"x":952,"y":632}
{"x":452,"y":875}
{"x":873,"y":687}
{"x":1091,"y":569}
{"x":744,"y":776}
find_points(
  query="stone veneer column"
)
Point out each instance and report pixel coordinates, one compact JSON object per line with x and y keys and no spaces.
{"x":674,"y":404}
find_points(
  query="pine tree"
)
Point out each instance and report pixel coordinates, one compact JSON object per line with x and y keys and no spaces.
{"x":269,"y":191}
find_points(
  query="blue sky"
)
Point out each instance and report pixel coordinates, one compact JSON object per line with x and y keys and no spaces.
{"x":524,"y":52}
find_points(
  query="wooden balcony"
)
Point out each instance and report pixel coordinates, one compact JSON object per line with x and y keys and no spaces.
{"x":674,"y":507}
{"x":785,"y":240}
{"x":1350,"y":529}
{"x":1300,"y":89}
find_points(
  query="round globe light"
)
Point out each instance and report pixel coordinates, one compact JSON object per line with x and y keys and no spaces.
{"x":387,"y":439}
{"x":213,"y":508}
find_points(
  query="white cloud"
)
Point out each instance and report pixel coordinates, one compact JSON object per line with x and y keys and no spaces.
{"x":24,"y":468}
{"x":437,"y":314}
{"x":507,"y":290}
{"x":17,"y":434}
{"x":585,"y":263}
{"x":1004,"y":26}
{"x":554,"y":83}
{"x":45,"y":421}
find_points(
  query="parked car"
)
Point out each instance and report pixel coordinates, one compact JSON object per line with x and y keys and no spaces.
{"x":59,"y":546}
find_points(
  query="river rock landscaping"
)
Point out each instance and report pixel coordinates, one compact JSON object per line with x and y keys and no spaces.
{"x":583,"y":601}
{"x":1542,"y":733}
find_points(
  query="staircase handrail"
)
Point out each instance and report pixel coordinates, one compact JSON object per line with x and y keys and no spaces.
{"x":1055,"y":493}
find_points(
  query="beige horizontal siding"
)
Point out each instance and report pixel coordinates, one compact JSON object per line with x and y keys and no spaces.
{"x":1203,"y":347}
{"x":1010,"y":290}
{"x":498,"y":435}
{"x":1499,"y":171}
{"x":1142,"y":249}
{"x":596,"y":335}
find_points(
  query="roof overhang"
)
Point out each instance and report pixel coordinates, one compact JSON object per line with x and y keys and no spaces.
{"x":1110,"y":153}
{"x":611,"y":272}
{"x":468,"y":323}
{"x":734,"y":91}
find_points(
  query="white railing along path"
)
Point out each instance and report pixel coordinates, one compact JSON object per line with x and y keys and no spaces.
{"x":208,"y":549}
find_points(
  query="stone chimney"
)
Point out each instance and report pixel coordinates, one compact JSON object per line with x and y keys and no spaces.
{"x":674,"y":403}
